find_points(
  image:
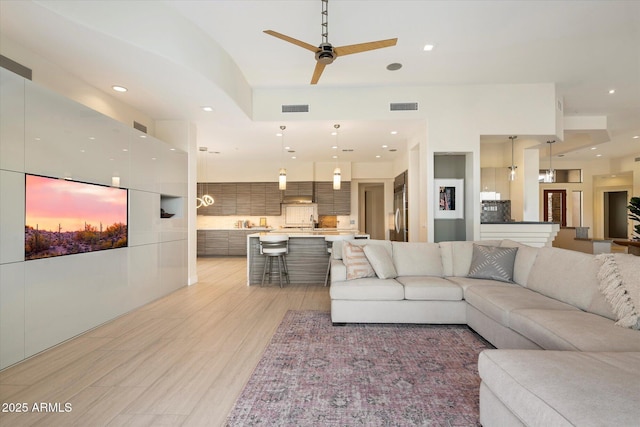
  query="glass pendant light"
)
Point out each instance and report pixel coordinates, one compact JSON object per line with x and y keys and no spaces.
{"x":550,"y":175}
{"x":336,"y":171}
{"x":513,"y":167}
{"x":282,"y":173}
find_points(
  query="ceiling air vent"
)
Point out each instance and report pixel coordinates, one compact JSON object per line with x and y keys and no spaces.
{"x":139,"y":126}
{"x":295,"y":108}
{"x":637,"y":159}
{"x":403,"y":106}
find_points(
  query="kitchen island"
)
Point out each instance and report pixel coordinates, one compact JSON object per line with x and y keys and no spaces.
{"x":532,"y":233}
{"x":307,"y":259}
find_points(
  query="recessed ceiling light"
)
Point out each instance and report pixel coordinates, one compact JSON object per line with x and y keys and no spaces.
{"x":598,"y":155}
{"x":385,"y":146}
{"x":394,"y":132}
{"x":119,"y":88}
{"x":143,"y":136}
{"x":428,"y":47}
{"x":335,"y":147}
{"x":594,"y":148}
{"x":207,"y":109}
{"x":125,"y":149}
{"x":172,"y":149}
{"x":334,"y":133}
{"x":612,"y":91}
{"x":153,"y":158}
{"x":394,"y":66}
{"x":293,"y":157}
{"x":92,"y":138}
{"x":334,"y":157}
{"x":636,"y":136}
{"x":378,"y":156}
{"x":287,"y":148}
{"x":278,"y":134}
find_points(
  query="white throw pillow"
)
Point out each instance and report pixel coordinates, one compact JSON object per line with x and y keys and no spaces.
{"x":356,"y":262}
{"x":380,"y":261}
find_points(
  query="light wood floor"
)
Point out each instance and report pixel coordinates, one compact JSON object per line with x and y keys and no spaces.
{"x":179,"y":361}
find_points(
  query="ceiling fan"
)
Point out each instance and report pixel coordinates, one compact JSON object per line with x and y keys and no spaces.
{"x":325,"y":53}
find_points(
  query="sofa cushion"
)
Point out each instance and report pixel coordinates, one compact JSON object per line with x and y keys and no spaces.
{"x":467,"y":282}
{"x":492,"y":262}
{"x":525,"y":258}
{"x":558,"y":388}
{"x":417,"y":259}
{"x":456,"y":256}
{"x":356,"y":262}
{"x":336,"y":246}
{"x":498,"y":302}
{"x":367,"y":289}
{"x":573,"y":330}
{"x":430,"y":288}
{"x":380,"y":261}
{"x":568,"y":276}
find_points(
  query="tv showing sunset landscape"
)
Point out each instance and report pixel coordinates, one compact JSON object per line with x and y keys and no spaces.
{"x":64,"y":217}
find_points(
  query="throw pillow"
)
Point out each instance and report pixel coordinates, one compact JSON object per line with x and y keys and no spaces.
{"x":619,"y":283}
{"x":380,"y":261}
{"x":356,"y":262}
{"x":492,"y":262}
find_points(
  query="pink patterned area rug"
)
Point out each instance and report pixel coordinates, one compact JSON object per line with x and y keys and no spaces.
{"x":316,"y":374}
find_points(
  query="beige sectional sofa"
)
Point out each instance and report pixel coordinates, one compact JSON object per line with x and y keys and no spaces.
{"x":590,"y":371}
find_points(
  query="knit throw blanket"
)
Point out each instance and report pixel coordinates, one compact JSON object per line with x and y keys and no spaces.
{"x":619,"y":278}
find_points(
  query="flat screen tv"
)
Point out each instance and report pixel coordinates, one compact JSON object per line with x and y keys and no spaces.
{"x":64,"y":217}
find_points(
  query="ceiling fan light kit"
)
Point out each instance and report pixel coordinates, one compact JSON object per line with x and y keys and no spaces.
{"x":325,"y":53}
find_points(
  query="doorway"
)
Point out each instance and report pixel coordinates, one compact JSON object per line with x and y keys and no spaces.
{"x":615,"y":214}
{"x":372,"y":213}
{"x":555,"y":206}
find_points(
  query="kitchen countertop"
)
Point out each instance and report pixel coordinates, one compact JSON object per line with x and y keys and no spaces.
{"x":298,"y":234}
{"x":237,"y":229}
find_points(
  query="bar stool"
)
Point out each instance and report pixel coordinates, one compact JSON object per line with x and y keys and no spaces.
{"x":275,"y":246}
{"x":329,"y":241}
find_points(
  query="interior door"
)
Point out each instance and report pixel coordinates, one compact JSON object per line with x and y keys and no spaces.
{"x":615,"y":215}
{"x":555,"y":206}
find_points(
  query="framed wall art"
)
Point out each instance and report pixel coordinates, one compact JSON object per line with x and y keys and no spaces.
{"x":449,"y":198}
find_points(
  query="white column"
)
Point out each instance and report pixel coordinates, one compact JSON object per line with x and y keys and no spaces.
{"x":531,"y":194}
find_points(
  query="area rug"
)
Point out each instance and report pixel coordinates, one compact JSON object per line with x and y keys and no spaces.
{"x":315,"y":374}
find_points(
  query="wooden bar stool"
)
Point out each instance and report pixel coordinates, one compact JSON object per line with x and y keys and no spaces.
{"x":275,"y":246}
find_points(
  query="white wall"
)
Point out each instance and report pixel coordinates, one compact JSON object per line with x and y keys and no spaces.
{"x":46,"y":301}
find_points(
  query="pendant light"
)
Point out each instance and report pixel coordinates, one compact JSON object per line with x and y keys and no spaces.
{"x":282,"y":174}
{"x":336,"y":171}
{"x":513,"y":167}
{"x":550,"y":176}
{"x":206,"y":199}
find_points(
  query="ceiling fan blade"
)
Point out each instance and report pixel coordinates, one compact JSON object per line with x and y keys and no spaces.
{"x":317,"y":72}
{"x":363,"y":47}
{"x":297,"y":42}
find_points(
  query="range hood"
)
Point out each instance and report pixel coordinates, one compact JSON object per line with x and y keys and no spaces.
{"x":293,"y":200}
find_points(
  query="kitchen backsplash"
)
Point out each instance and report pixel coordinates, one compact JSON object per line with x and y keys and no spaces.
{"x":228,"y":222}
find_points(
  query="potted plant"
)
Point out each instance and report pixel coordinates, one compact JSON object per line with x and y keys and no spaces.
{"x":634,"y":214}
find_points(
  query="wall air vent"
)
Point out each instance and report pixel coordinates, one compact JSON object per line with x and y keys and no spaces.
{"x":139,"y":126}
{"x":302,"y":108}
{"x":15,"y":67}
{"x":637,"y":159}
{"x":403,"y":106}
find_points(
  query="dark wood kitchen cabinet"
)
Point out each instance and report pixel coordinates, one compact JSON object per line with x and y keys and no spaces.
{"x":333,"y":202}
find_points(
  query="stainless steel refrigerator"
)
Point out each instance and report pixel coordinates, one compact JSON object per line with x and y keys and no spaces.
{"x":400,"y":209}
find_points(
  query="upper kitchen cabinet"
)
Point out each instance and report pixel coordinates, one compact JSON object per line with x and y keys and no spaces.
{"x":299,"y":188}
{"x":333,"y":202}
{"x":242,"y":198}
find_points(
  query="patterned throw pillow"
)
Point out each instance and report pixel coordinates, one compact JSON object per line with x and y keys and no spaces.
{"x":356,"y":262}
{"x":492,"y":262}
